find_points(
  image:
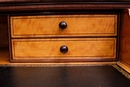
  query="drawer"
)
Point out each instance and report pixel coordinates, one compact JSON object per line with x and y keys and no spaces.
{"x":72,"y":25}
{"x":78,"y":48}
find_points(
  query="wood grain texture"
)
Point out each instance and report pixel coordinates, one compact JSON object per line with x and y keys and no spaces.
{"x":50,"y":48}
{"x":77,"y":25}
{"x":125,"y":38}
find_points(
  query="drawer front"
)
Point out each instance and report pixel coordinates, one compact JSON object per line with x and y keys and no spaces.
{"x":78,"y":48}
{"x":77,"y":25}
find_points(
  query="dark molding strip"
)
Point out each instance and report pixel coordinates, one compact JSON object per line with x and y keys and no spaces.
{"x":64,"y":1}
{"x":56,"y":7}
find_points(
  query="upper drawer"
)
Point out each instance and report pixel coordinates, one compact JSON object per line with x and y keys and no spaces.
{"x":77,"y":25}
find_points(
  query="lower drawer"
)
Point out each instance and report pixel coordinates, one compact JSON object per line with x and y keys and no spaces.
{"x":56,"y":49}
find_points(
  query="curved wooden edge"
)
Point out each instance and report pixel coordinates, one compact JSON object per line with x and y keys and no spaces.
{"x":18,"y":1}
{"x":56,"y":7}
{"x":64,"y":1}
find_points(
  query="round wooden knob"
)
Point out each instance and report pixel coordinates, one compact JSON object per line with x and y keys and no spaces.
{"x":63,"y":49}
{"x":62,"y":24}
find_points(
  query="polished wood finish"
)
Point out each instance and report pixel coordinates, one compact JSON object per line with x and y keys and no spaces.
{"x":125,"y":66}
{"x":27,"y":6}
{"x":4,"y":62}
{"x":4,"y":56}
{"x":36,"y":49}
{"x":125,"y":38}
{"x":61,"y":6}
{"x":77,"y":25}
{"x":78,"y":48}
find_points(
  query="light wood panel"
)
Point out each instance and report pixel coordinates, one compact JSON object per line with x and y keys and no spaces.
{"x":79,"y":48}
{"x":48,"y":25}
{"x":124,"y":66}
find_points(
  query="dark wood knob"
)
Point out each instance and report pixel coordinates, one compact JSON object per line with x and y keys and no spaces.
{"x":63,"y":49}
{"x":62,"y":24}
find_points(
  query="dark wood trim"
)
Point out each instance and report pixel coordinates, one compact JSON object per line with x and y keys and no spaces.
{"x":68,"y":12}
{"x":16,"y":1}
{"x":43,"y":1}
{"x":9,"y":34}
{"x":118,"y":35}
{"x":63,"y":1}
{"x":62,"y":60}
{"x":56,"y":7}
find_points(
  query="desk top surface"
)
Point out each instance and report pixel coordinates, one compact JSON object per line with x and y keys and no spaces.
{"x":77,"y":76}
